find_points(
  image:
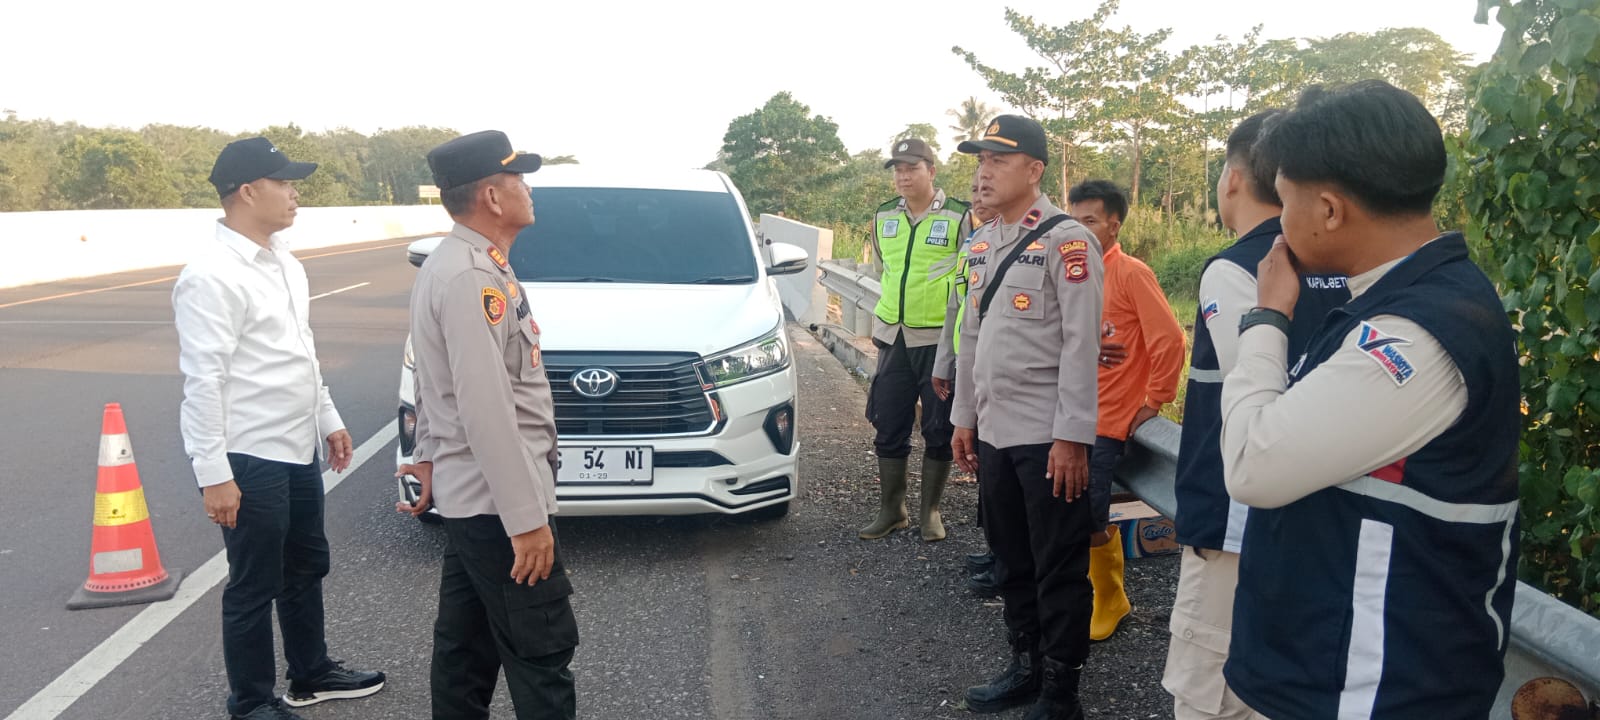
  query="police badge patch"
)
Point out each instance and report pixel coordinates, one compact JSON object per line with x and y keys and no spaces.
{"x":891,"y":227}
{"x":494,"y":305}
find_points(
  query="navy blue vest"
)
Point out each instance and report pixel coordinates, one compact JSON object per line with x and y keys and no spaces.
{"x":1390,"y":596}
{"x":1206,"y":516}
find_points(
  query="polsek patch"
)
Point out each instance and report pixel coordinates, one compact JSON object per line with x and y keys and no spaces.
{"x":494,"y":305}
{"x":1385,"y":351}
{"x":1073,"y":246}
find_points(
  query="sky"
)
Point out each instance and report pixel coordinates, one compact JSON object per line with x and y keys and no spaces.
{"x":609,"y":82}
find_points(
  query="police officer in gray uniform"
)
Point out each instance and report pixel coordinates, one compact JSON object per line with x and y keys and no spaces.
{"x":1029,"y":387}
{"x":486,"y":448}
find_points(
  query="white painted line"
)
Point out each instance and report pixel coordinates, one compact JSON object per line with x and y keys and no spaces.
{"x":79,"y":679}
{"x":340,"y":290}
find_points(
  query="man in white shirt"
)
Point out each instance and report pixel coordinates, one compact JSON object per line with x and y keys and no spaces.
{"x":254,"y":414}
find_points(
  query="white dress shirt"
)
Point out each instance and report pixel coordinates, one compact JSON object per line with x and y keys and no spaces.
{"x":251,"y":384}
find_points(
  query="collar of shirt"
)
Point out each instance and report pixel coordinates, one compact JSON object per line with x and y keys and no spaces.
{"x":1359,"y":284}
{"x":937,"y":204}
{"x":245,"y":247}
{"x":1270,"y":226}
{"x":1042,"y":204}
{"x":1112,"y":255}
{"x":479,"y":241}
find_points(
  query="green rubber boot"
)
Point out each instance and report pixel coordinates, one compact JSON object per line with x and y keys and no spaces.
{"x":891,"y":499}
{"x":934,"y":475}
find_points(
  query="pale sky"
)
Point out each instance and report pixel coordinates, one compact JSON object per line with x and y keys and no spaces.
{"x":609,"y":82}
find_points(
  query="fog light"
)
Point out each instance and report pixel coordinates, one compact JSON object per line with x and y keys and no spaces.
{"x":780,"y":428}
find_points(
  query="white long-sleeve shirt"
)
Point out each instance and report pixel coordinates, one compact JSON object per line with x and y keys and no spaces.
{"x":1280,"y":444}
{"x":251,"y":384}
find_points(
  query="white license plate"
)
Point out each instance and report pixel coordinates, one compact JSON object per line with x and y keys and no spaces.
{"x":622,"y":465}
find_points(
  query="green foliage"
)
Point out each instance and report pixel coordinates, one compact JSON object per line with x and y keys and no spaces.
{"x":1176,"y":250}
{"x":779,"y":155}
{"x":1532,"y":188}
{"x":61,"y":166}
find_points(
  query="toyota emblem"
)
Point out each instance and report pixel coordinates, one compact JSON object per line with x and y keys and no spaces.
{"x":595,"y":382}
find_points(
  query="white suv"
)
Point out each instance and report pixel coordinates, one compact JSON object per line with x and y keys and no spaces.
{"x":663,"y":337}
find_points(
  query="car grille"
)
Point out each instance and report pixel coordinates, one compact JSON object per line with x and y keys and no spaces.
{"x":657,"y":394}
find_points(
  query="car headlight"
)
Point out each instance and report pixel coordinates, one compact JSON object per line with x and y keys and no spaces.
{"x":409,"y":360}
{"x":765,"y":356}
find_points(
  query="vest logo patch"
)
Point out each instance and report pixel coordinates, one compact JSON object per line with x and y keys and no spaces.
{"x":1385,"y":350}
{"x":1032,"y":218}
{"x":939,"y":229}
{"x":891,"y":227}
{"x":1210,"y":309}
{"x":494,"y":305}
{"x":1325,"y":282}
{"x":937,"y":240}
{"x":1022,"y":302}
{"x":980,"y":247}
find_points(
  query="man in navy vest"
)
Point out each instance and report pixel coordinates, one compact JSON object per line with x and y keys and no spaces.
{"x":1378,"y":566}
{"x":1210,"y":526}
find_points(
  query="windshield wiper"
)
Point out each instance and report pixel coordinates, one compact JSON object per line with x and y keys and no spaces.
{"x":572,"y":278}
{"x":722,"y":280}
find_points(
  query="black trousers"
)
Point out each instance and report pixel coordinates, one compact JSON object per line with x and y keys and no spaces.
{"x":905,"y":376}
{"x":1041,"y":550}
{"x":487,"y":621}
{"x":277,"y":553}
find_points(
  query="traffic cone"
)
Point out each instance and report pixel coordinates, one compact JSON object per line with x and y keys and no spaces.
{"x":124,"y":566}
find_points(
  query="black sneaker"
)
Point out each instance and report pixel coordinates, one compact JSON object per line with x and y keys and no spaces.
{"x":984,"y":585}
{"x":335,"y":684}
{"x":979,"y":562}
{"x":269,"y":711}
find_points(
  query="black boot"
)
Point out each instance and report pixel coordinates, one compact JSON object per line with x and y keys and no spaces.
{"x":984,"y":584}
{"x":1058,"y":693}
{"x":979,"y":562}
{"x":1018,"y":685}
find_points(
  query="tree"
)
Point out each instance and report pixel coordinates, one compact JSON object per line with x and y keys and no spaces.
{"x":1144,"y":98}
{"x":108,"y":169}
{"x":780,"y":156}
{"x":397,"y":161}
{"x":189,"y":152}
{"x":971,"y":117}
{"x":920,"y":131}
{"x":1414,"y":59}
{"x":1532,"y":169}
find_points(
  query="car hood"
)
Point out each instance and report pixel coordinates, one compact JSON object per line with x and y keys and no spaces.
{"x":703,"y":319}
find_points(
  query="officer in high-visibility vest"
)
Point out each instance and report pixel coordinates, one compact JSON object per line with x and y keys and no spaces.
{"x":916,"y":238}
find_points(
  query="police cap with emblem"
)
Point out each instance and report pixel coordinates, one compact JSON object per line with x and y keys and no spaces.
{"x":1011,"y":134}
{"x":249,"y":160}
{"x":473,"y":157}
{"x":910,"y":150}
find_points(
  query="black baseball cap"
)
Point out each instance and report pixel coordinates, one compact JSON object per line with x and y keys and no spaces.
{"x":249,"y":160}
{"x":473,"y":157}
{"x":910,"y":150}
{"x":1011,"y":134}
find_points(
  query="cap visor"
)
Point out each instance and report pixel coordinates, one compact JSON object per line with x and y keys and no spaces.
{"x":904,"y":159}
{"x":973,"y":147}
{"x":525,"y":163}
{"x":294,"y":171}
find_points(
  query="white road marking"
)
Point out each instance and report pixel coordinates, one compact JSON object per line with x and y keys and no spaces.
{"x":340,"y":290}
{"x":78,"y":680}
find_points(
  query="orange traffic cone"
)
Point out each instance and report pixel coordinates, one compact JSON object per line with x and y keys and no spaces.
{"x":124,"y":566}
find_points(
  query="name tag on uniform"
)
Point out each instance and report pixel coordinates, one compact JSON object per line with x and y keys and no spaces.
{"x":891,"y":227}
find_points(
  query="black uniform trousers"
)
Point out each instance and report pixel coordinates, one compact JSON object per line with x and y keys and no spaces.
{"x":486,"y":621}
{"x":905,"y":376}
{"x":277,"y":554}
{"x":1041,"y":550}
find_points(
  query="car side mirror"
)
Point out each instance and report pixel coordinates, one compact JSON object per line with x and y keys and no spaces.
{"x":419,"y":251}
{"x":787,"y":259}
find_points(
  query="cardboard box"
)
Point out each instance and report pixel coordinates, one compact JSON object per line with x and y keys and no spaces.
{"x":1144,"y":531}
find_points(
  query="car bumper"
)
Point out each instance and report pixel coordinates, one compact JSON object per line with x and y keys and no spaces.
{"x":739,"y":468}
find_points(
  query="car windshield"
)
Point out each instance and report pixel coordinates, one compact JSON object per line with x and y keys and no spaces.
{"x":634,"y":236}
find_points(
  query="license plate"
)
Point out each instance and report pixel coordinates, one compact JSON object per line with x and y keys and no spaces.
{"x":612,"y":465}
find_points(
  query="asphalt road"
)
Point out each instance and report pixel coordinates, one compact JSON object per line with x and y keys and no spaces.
{"x":699,"y":617}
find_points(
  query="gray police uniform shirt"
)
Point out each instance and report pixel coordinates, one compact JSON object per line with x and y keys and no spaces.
{"x":1028,"y":370}
{"x":484,"y":412}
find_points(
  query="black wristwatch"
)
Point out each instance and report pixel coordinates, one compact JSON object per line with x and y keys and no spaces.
{"x":1264,"y":316}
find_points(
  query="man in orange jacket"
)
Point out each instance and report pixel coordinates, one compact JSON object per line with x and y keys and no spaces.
{"x":1136,"y":316}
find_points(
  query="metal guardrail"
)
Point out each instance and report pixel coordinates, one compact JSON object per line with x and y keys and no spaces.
{"x":1548,"y":638}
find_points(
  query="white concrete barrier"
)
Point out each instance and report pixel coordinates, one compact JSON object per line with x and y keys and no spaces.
{"x":37,"y":247}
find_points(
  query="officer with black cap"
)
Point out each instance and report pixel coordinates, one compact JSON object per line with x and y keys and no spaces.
{"x":254,"y":418}
{"x":486,"y":447}
{"x":1029,"y":389}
